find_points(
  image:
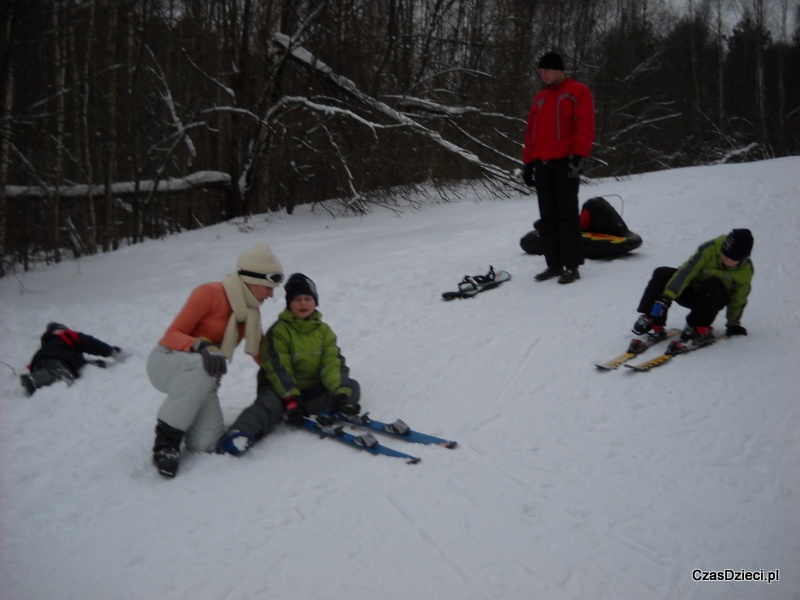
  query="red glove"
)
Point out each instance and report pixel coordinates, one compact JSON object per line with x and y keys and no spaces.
{"x":292,"y":411}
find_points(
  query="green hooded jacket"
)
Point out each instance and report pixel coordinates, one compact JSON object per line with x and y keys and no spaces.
{"x":707,"y":263}
{"x":300,"y":354}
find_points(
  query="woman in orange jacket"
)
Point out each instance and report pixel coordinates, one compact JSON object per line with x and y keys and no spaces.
{"x":189,"y":361}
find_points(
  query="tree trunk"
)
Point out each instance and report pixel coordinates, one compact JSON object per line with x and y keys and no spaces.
{"x":5,"y":144}
{"x":109,"y":235}
{"x":59,"y":49}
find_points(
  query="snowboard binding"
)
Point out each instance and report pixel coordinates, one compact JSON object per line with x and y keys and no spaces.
{"x":472,"y":285}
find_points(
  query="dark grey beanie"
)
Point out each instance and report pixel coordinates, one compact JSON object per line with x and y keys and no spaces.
{"x":738,"y":245}
{"x":300,"y":285}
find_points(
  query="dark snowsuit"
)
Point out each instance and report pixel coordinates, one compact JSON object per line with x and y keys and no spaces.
{"x":61,"y":356}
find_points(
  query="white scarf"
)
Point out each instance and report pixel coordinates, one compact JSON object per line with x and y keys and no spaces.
{"x":245,"y":310}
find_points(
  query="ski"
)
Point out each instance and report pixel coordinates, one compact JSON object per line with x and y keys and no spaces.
{"x":366,"y":441}
{"x":673,"y":350}
{"x":396,"y":429}
{"x":472,"y":285}
{"x":637,"y":346}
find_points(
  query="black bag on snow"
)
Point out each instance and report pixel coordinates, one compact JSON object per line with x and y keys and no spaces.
{"x":605,"y":234}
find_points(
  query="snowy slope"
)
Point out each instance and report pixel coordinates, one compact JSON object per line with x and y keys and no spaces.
{"x":567,"y":483}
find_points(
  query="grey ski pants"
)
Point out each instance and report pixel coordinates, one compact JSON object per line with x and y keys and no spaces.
{"x":266,"y":412}
{"x":192,"y":404}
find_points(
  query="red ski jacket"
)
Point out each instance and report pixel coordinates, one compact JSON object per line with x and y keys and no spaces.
{"x":560,"y":123}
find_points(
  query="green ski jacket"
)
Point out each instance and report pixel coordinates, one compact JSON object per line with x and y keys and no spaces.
{"x":299,"y":355}
{"x":707,"y":263}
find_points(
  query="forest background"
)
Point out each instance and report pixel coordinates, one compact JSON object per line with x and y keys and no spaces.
{"x":133,"y":119}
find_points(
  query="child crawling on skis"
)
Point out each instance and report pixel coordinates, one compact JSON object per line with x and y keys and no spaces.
{"x":302,"y":372}
{"x":718,"y":275}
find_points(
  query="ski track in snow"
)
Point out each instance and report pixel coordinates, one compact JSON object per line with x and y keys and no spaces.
{"x":567,"y":483}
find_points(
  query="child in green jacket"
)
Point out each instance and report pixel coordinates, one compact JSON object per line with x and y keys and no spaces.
{"x":716,"y":276}
{"x":302,"y":371}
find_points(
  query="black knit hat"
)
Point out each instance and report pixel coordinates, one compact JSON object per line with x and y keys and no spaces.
{"x":551,"y":60}
{"x":300,"y":285}
{"x":738,"y":245}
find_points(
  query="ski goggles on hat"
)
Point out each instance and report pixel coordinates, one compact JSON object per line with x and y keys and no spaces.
{"x":273,"y":277}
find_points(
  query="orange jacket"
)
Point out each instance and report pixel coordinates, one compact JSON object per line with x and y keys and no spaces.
{"x":205,"y":314}
{"x":560,"y":122}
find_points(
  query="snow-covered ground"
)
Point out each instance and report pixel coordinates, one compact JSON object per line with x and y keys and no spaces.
{"x":568,"y":482}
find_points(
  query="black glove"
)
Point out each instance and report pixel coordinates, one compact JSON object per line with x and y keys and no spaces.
{"x":735,"y":330}
{"x":214,"y":361}
{"x":292,"y":411}
{"x":527,"y":175}
{"x":659,"y":310}
{"x":575,"y":166}
{"x":344,"y":404}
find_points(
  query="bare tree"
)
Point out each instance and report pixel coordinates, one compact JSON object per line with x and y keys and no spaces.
{"x":138,"y":118}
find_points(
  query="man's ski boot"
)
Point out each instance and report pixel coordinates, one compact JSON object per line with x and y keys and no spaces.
{"x":549,"y":273}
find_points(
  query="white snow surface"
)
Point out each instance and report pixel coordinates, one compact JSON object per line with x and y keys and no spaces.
{"x":567,"y":483}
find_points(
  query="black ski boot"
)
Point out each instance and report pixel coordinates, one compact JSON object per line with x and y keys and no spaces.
{"x":27,"y":382}
{"x":569,"y":275}
{"x":167,"y":449}
{"x":549,"y":273}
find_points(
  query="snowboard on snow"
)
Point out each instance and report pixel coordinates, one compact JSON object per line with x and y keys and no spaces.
{"x":472,"y":285}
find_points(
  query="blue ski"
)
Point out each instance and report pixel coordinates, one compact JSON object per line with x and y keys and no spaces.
{"x":397,"y":429}
{"x":363,"y":442}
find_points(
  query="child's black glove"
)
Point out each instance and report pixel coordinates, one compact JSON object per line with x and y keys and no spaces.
{"x":735,"y":330}
{"x":344,"y":404}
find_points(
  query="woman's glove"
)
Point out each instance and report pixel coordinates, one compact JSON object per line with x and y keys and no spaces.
{"x":214,"y":361}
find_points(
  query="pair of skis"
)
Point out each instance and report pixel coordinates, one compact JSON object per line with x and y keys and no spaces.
{"x":638,"y":346}
{"x":332,"y":426}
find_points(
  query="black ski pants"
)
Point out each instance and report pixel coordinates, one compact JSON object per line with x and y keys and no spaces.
{"x":559,"y":223}
{"x":703,"y":301}
{"x":50,"y":370}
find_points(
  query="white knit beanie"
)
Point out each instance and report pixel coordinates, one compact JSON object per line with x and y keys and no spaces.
{"x":260,"y":266}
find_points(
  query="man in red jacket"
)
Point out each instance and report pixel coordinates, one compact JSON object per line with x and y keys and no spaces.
{"x":558,"y":139}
